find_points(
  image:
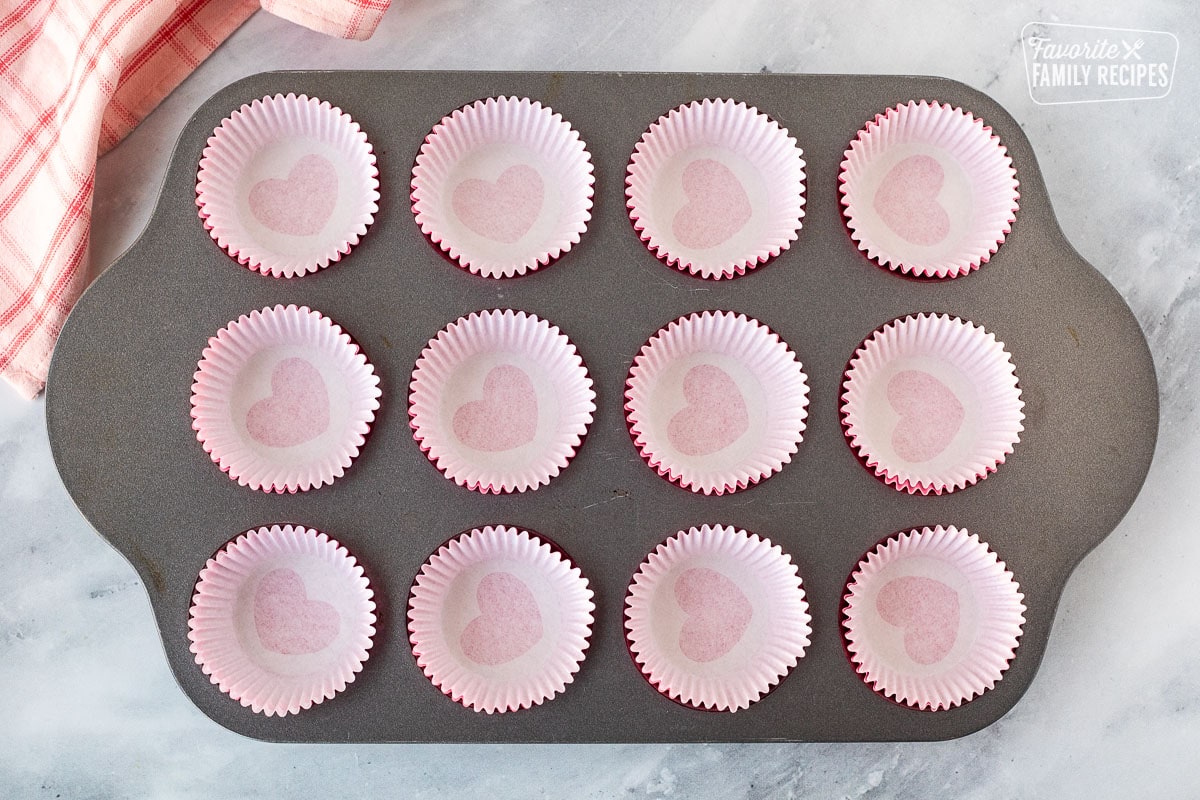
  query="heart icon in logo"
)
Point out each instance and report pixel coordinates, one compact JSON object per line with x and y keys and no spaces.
{"x":718,"y":613}
{"x":715,"y":415}
{"x":288,"y":622}
{"x":717,"y":206}
{"x":503,"y":211}
{"x":907,"y":201}
{"x":505,"y":417}
{"x":300,"y":204}
{"x":927,"y":610}
{"x":297,"y":410}
{"x":509,"y":622}
{"x":930,"y":415}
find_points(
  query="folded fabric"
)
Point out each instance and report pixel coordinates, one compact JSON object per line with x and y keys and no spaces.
{"x":75,"y":77}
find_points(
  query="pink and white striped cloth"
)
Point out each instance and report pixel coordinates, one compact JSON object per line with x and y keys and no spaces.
{"x":75,"y":77}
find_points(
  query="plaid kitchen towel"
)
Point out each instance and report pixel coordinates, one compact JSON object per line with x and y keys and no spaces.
{"x":75,"y":77}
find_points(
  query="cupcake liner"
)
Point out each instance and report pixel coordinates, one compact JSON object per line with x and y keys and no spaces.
{"x":287,"y":185}
{"x":928,"y":190}
{"x":931,"y":403}
{"x":504,"y":186}
{"x":716,"y":617}
{"x":716,"y":402}
{"x":932,"y":618}
{"x":500,"y":401}
{"x":715,"y":188}
{"x":281,"y":619}
{"x":282,"y":399}
{"x":499,"y":620}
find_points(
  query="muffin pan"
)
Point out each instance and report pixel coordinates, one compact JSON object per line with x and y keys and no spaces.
{"x":120,"y":383}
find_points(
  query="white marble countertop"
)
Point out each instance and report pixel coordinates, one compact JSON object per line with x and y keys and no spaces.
{"x":89,"y":707}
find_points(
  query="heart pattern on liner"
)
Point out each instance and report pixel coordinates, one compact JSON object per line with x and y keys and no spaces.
{"x":509,"y":621}
{"x":907,"y":201}
{"x":297,"y":410}
{"x":718,"y":613}
{"x":930,"y":415}
{"x":717,"y":208}
{"x":502,"y":211}
{"x":505,"y":418}
{"x":300,"y":204}
{"x":287,"y":621}
{"x":927,"y":610}
{"x":715,"y":415}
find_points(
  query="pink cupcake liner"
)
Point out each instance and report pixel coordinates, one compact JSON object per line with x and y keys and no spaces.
{"x":499,"y":620}
{"x":716,"y":617}
{"x":281,"y":619}
{"x":504,"y":186}
{"x":932,"y":618}
{"x":500,"y":401}
{"x":716,"y":402}
{"x":282,"y":399}
{"x":928,"y":190}
{"x":287,"y":185}
{"x":715,"y":188}
{"x":931,"y":403}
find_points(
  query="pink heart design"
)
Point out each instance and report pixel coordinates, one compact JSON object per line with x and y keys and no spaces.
{"x":505,"y":417}
{"x":717,"y":206}
{"x":503,"y":211}
{"x":297,"y":410}
{"x":907,"y":201}
{"x":509,"y":622}
{"x":302,"y":203}
{"x":718,"y":613}
{"x":288,"y":622}
{"x":927,"y":610}
{"x":715,"y":415}
{"x":930,"y":415}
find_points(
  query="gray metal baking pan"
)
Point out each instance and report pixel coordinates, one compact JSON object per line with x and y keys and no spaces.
{"x":118,"y":403}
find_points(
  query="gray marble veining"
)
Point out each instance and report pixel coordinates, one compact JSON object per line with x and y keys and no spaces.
{"x":90,"y":709}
